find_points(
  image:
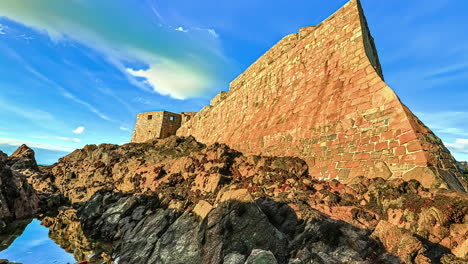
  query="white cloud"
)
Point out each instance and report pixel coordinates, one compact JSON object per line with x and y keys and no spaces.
{"x":125,"y":128}
{"x":213,"y":33}
{"x":16,"y":142}
{"x":79,"y":130}
{"x":173,"y":79}
{"x":181,"y":29}
{"x":139,"y":42}
{"x":2,"y":31}
{"x":460,"y":146}
{"x":74,"y":140}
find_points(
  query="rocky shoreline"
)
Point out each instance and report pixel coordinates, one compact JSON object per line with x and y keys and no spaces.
{"x":179,"y":201}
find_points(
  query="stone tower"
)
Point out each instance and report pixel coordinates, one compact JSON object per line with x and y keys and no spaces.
{"x":157,"y":125}
{"x":320,"y":95}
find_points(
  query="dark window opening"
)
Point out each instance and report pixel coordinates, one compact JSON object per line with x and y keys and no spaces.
{"x":172,"y":118}
{"x":188,"y":118}
{"x":150,"y":117}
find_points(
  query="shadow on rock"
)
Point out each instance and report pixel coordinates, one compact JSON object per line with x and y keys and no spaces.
{"x":264,"y":231}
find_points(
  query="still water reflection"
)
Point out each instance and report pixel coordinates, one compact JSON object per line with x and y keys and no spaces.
{"x":34,"y":246}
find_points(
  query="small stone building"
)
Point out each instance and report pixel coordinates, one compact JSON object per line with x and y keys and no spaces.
{"x":158,"y":124}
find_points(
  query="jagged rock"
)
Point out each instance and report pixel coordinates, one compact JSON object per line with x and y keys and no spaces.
{"x":234,"y":258}
{"x":202,"y":209}
{"x":22,"y":158}
{"x":280,"y":187}
{"x":18,"y":199}
{"x":401,"y":243}
{"x":259,"y":256}
{"x":23,"y":161}
{"x":3,"y":157}
{"x":142,"y":230}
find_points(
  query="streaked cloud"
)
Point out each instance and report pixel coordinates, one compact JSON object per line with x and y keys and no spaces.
{"x":213,"y":32}
{"x":448,"y":71}
{"x":79,"y":130}
{"x":125,"y":128}
{"x":452,"y":123}
{"x":17,"y":142}
{"x":459,"y":146}
{"x":63,"y":91}
{"x":67,"y":139}
{"x":87,"y":105}
{"x":121,"y":30}
{"x":33,"y":114}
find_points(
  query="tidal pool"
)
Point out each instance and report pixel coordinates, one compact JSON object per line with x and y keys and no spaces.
{"x":34,"y":246}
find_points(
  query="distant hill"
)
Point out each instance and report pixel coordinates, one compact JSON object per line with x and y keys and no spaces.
{"x":465,"y":166}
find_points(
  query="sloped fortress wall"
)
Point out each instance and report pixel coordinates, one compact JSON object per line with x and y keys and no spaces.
{"x":320,"y":95}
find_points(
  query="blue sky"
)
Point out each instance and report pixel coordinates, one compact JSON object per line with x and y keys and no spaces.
{"x":77,"y":72}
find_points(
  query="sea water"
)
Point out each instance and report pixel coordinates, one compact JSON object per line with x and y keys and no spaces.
{"x":34,"y":246}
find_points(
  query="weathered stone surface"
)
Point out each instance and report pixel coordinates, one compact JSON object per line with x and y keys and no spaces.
{"x":280,"y":187}
{"x":23,"y":161}
{"x":234,"y":258}
{"x":259,"y":256}
{"x":424,"y":175}
{"x":268,"y":203}
{"x":202,"y":209}
{"x":22,"y":158}
{"x":400,"y":243}
{"x":229,"y":233}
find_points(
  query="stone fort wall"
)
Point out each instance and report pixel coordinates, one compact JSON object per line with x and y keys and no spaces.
{"x":320,"y":95}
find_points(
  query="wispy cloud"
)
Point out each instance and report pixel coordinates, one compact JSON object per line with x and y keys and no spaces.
{"x":36,"y":115}
{"x":448,"y":71}
{"x":213,"y":32}
{"x":450,"y":123}
{"x":17,"y":142}
{"x":86,"y":104}
{"x":452,"y":127}
{"x":64,"y":92}
{"x":104,"y":27}
{"x":125,"y":128}
{"x":79,"y":130}
{"x":67,"y":139}
{"x":459,"y":146}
